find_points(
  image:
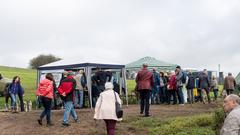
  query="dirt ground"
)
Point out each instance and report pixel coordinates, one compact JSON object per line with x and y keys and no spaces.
{"x":26,"y":123}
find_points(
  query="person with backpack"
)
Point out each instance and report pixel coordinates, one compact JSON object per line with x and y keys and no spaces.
{"x":181,"y":78}
{"x":66,"y":90}
{"x":14,"y":89}
{"x":45,"y":93}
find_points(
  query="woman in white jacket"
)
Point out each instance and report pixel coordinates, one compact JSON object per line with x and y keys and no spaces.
{"x":105,"y":108}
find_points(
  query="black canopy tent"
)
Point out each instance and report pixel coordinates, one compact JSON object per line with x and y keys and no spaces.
{"x":58,"y":67}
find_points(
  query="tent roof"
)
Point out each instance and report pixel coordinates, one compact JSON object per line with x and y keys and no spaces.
{"x":238,"y":78}
{"x":152,"y":62}
{"x":66,"y":64}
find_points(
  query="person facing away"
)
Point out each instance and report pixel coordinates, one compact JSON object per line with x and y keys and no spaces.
{"x":14,"y":89}
{"x":66,"y":90}
{"x":229,"y":83}
{"x":144,"y":82}
{"x":190,"y":86}
{"x":204,"y":85}
{"x":79,"y":93}
{"x":171,"y":89}
{"x":214,"y":86}
{"x":231,"y":124}
{"x":155,"y":88}
{"x":105,"y":108}
{"x":45,"y":93}
{"x":102,"y":77}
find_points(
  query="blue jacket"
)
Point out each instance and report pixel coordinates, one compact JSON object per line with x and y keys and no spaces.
{"x":191,"y":81}
{"x":15,"y":88}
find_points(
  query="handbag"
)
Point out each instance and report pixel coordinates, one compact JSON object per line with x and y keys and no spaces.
{"x":119,"y":111}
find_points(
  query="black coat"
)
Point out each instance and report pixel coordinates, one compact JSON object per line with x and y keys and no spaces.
{"x":191,"y":82}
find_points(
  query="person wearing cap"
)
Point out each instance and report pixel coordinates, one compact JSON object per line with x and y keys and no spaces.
{"x":105,"y":108}
{"x":229,"y":83}
{"x":231,"y":124}
{"x":144,"y":85}
{"x":66,"y":90}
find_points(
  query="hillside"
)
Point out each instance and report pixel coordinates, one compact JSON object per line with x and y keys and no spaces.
{"x":28,"y":79}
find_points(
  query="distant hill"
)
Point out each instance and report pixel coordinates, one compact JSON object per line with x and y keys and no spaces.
{"x":28,"y":78}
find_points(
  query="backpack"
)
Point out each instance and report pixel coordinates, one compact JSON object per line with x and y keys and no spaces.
{"x":184,"y":77}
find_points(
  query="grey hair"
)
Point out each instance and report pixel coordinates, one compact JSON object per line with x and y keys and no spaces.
{"x":234,"y":97}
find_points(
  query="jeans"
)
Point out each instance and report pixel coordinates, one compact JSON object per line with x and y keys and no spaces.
{"x":69,"y":109}
{"x":110,"y":125}
{"x":47,"y":104}
{"x":180,"y":95}
{"x":154,"y":95}
{"x":94,"y":100}
{"x":171,"y":93}
{"x":14,"y":101}
{"x":190,"y":95}
{"x":215,"y":92}
{"x":144,"y":96}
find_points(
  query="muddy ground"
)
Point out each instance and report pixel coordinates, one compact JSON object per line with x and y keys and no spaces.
{"x":26,"y":123}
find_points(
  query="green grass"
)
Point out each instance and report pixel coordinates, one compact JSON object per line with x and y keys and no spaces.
{"x":28,"y":80}
{"x":191,"y":125}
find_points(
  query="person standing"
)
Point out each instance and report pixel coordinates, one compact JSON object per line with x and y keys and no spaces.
{"x":45,"y":92}
{"x":204,"y":85}
{"x":155,"y":88}
{"x":171,"y":89}
{"x":66,"y":90}
{"x":15,"y":88}
{"x":79,"y":94}
{"x":179,"y":78}
{"x":105,"y":108}
{"x":214,"y":86}
{"x":190,"y":86}
{"x":229,"y":83}
{"x":144,"y":82}
{"x":231,"y":124}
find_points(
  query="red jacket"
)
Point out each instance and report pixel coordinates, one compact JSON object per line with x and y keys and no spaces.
{"x":144,"y":79}
{"x":45,"y":89}
{"x":67,"y":86}
{"x":172,"y":84}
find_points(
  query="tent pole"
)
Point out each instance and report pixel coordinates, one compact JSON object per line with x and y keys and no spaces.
{"x":125,"y":84}
{"x":89,"y":84}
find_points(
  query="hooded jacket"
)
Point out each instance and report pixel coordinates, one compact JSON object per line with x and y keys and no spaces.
{"x":45,"y":89}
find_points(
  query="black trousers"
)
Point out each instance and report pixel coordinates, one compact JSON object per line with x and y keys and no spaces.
{"x":47,"y":103}
{"x":172,"y":93}
{"x":20,"y":96}
{"x":144,"y":97}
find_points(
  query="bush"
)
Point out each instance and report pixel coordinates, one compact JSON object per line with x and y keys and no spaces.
{"x":218,"y":119}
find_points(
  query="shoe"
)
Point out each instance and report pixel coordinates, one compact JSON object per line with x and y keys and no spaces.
{"x":49,"y":124}
{"x":76,"y":121}
{"x":39,"y":121}
{"x":147,"y":115}
{"x":141,"y":112}
{"x":65,"y":125}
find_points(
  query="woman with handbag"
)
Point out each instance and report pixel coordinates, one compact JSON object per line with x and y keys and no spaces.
{"x":107,"y":108}
{"x":45,"y":93}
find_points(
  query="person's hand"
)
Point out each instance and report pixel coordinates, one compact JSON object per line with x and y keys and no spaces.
{"x":64,"y":94}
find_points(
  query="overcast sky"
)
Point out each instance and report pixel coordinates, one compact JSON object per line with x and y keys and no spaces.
{"x":192,"y":33}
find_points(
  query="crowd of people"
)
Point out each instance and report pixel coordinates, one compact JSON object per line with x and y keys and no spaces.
{"x":164,"y":88}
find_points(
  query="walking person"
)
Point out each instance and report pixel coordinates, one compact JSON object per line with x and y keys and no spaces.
{"x":106,"y":109}
{"x":66,"y":90}
{"x":229,"y":84}
{"x":45,"y":92}
{"x":14,"y":88}
{"x":79,"y":93}
{"x":179,"y":78}
{"x":144,"y":82}
{"x":190,"y":86}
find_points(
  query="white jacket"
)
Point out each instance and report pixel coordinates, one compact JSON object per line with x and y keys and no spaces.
{"x":105,"y":106}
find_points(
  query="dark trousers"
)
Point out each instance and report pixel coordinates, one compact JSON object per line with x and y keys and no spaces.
{"x":20,"y":96}
{"x":47,"y":103}
{"x":180,"y":95}
{"x":229,"y":91}
{"x":162,"y":94}
{"x":144,"y":97}
{"x":110,"y":125}
{"x":171,"y":93}
{"x":215,"y":92}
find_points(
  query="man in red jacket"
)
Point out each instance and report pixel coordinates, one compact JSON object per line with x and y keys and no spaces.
{"x":66,"y":90}
{"x":144,"y":82}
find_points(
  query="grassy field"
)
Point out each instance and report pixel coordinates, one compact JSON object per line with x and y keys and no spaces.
{"x":28,"y":80}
